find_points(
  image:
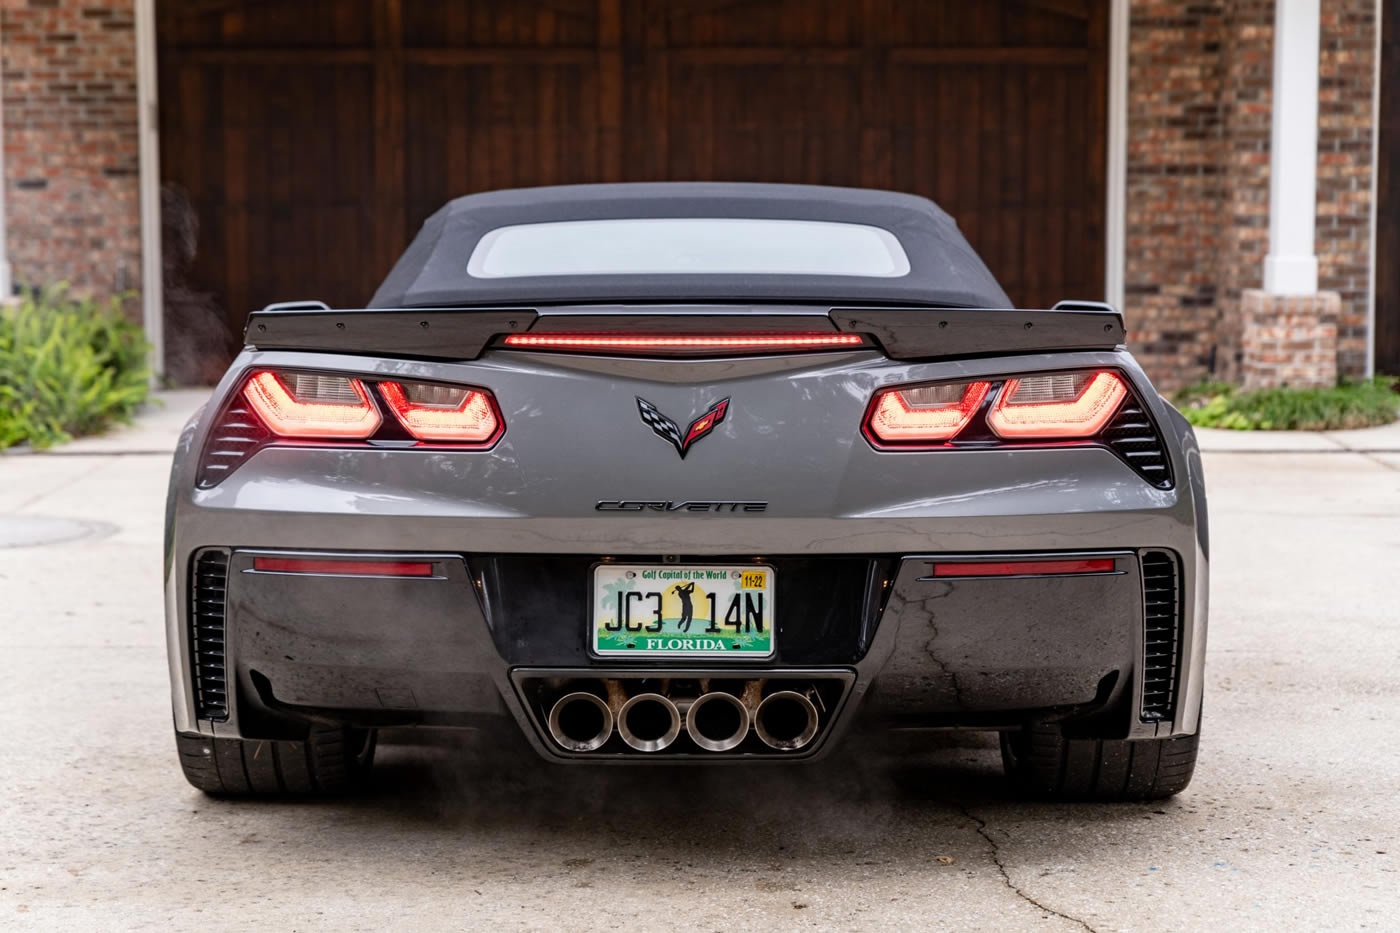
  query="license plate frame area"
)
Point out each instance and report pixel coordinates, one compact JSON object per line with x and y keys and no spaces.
{"x":683,"y":611}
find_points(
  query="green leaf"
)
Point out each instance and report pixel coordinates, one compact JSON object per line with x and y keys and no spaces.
{"x":67,"y":366}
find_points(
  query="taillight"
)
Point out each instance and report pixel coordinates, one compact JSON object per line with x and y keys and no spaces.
{"x":325,"y":408}
{"x":1056,"y":405}
{"x":312,"y":405}
{"x":923,"y":414}
{"x":432,"y":412}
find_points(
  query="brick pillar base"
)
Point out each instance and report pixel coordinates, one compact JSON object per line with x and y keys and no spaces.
{"x":1289,"y":340}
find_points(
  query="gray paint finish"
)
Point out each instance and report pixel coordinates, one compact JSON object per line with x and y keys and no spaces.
{"x":791,"y":438}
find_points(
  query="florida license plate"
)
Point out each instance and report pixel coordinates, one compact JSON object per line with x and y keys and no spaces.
{"x":648,"y":610}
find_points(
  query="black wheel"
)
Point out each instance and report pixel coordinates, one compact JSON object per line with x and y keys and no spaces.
{"x":1040,"y":762}
{"x":332,"y":760}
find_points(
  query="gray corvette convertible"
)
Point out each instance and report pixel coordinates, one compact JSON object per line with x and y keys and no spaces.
{"x":687,"y":473}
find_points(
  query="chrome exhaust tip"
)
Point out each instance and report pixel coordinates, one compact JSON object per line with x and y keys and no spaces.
{"x":717,"y":721}
{"x":648,"y":722}
{"x":786,"y":720}
{"x":580,"y":722}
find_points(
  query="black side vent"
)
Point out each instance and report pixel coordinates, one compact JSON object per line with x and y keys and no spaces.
{"x":236,"y":436}
{"x":207,"y":635}
{"x":1134,"y":437}
{"x":1161,"y":602}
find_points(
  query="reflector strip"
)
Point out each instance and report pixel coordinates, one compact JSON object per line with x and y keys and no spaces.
{"x":684,"y":341}
{"x":1023,"y":568}
{"x":355,"y":568}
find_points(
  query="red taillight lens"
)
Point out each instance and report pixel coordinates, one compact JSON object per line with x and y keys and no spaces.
{"x":433,"y":412}
{"x":312,"y":405}
{"x":1057,"y":405}
{"x":924,"y":414}
{"x":1023,"y":568}
{"x":681,"y":343}
{"x":355,"y":568}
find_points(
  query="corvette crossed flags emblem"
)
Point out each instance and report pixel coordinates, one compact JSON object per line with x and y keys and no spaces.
{"x":668,"y":430}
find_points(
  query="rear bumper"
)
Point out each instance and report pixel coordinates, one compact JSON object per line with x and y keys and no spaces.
{"x":452,"y":649}
{"x":443,"y":651}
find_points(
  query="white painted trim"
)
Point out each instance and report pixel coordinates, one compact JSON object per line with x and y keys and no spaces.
{"x":1375,"y":205}
{"x":1290,"y":268}
{"x":152,"y":283}
{"x":1116,"y":200}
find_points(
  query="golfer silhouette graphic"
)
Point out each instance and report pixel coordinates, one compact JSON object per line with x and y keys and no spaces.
{"x":686,"y":610}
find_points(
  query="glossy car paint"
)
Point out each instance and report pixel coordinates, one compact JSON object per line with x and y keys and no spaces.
{"x":791,"y":437}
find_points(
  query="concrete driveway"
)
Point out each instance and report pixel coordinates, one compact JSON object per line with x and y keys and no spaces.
{"x":1293,"y":820}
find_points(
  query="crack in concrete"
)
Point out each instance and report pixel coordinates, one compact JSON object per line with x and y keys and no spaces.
{"x":1371,"y":455}
{"x":995,"y":853}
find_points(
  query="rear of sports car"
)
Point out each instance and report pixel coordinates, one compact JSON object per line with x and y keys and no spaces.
{"x":687,"y":532}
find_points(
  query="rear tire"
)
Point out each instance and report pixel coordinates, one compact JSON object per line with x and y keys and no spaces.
{"x":1041,"y":762}
{"x":332,"y":760}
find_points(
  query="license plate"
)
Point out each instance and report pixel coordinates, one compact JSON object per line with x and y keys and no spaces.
{"x":647,"y":610}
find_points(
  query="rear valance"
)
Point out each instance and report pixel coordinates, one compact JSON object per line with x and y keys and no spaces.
{"x":903,"y":333}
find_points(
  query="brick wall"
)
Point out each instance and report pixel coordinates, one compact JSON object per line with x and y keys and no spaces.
{"x":1200,"y":98}
{"x":71,"y":143}
{"x":1246,"y":101}
{"x":1344,"y":175}
{"x":1174,"y":189}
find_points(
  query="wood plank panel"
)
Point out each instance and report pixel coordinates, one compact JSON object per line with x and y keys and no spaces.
{"x":314,"y":138}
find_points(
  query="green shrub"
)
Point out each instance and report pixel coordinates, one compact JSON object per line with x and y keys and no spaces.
{"x":68,"y":366}
{"x":1349,"y":405}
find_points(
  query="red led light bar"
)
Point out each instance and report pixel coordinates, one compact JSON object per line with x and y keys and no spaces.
{"x":355,"y":568}
{"x":1023,"y":568}
{"x":674,"y":342}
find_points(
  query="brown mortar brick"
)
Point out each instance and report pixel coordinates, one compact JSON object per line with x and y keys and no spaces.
{"x":71,"y":123}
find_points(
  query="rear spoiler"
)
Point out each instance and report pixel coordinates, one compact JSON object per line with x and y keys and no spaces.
{"x":903,"y":333}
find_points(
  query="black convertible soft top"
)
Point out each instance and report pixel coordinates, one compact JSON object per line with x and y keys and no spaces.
{"x":944,"y":270}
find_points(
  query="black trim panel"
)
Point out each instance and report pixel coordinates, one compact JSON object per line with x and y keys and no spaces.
{"x":912,"y":334}
{"x":431,"y":333}
{"x":904,"y":333}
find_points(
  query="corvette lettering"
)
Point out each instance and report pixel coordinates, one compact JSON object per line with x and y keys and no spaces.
{"x":672,"y":505}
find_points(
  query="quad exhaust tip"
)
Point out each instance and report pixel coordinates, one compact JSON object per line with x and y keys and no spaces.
{"x":584,"y":720}
{"x":786,"y":720}
{"x":580,"y":722}
{"x":648,"y":722}
{"x":717,"y":721}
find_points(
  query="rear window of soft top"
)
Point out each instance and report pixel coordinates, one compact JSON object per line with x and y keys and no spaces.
{"x":688,"y":245}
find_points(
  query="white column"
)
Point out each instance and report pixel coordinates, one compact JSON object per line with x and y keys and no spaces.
{"x":1115,"y":221}
{"x":152,"y":274}
{"x":1291,"y":266}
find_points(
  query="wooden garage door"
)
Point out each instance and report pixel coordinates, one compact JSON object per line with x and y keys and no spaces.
{"x":313,"y":137}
